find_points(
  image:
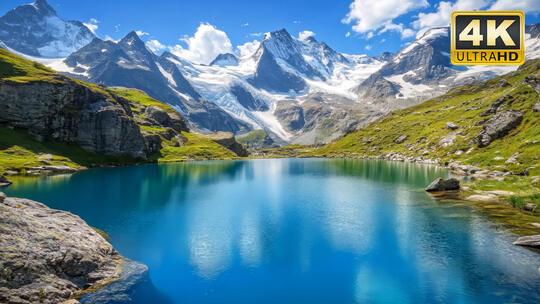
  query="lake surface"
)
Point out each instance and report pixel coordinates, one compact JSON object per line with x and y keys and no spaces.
{"x":296,"y":231}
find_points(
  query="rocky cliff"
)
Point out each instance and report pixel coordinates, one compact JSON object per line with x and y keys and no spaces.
{"x":53,"y":107}
{"x":48,"y":256}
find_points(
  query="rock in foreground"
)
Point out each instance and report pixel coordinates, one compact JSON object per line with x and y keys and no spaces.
{"x":48,"y":256}
{"x":529,"y":241}
{"x":441,"y":184}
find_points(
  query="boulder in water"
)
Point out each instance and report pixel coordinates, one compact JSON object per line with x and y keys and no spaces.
{"x":529,"y":241}
{"x":441,"y":184}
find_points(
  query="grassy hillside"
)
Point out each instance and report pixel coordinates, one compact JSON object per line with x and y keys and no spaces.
{"x":19,"y":150}
{"x":425,"y":125}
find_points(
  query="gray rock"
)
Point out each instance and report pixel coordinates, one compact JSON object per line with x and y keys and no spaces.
{"x":536,"y":107}
{"x":2,"y":197}
{"x":482,"y":198}
{"x":529,"y":207}
{"x":290,"y":115}
{"x":164,"y":119}
{"x":181,"y":140}
{"x":449,"y":139}
{"x":51,"y":170}
{"x":228,"y":141}
{"x":169,"y":133}
{"x":69,"y":112}
{"x":451,"y":126}
{"x":529,"y":241}
{"x":498,"y":126}
{"x":4,"y":181}
{"x":49,"y":255}
{"x":441,"y":184}
{"x":152,"y":142}
{"x":121,"y":291}
{"x":494,"y":106}
{"x":401,"y":139}
{"x":513,"y":159}
{"x":504,"y":83}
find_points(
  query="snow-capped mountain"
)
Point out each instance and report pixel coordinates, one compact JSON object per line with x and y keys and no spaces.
{"x":36,"y":30}
{"x":129,"y":63}
{"x":283,"y":71}
{"x":423,"y":70}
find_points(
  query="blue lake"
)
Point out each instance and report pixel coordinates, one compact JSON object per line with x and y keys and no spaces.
{"x":296,"y":231}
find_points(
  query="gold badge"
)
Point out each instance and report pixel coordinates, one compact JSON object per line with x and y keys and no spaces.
{"x":487,"y":38}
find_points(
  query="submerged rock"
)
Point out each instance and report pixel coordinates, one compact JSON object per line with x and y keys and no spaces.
{"x":49,"y":256}
{"x":441,"y":184}
{"x":482,"y":198}
{"x":529,"y":241}
{"x":498,"y":126}
{"x":4,"y":181}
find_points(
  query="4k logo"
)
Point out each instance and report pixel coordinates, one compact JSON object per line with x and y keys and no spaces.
{"x":487,"y":37}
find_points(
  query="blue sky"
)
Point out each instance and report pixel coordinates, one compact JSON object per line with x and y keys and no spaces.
{"x":356,"y":27}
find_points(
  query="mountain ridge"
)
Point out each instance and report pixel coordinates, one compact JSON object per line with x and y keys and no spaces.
{"x":324,"y":93}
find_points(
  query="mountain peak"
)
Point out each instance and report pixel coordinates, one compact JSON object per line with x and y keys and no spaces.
{"x":132,"y":40}
{"x":282,"y":33}
{"x":226,"y":59}
{"x":43,"y":7}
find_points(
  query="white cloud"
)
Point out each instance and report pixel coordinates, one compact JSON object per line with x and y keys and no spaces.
{"x":369,"y":15}
{"x":405,"y":32}
{"x":155,"y":46}
{"x":347,"y":34}
{"x":109,"y":38}
{"x":441,"y":17}
{"x":141,"y":33}
{"x":368,"y":47}
{"x":205,"y":45}
{"x":117,"y":27}
{"x":245,"y":24}
{"x":527,"y":6}
{"x":256,"y":34}
{"x":92,"y":25}
{"x":248,"y":48}
{"x":303,"y":35}
{"x":296,"y":22}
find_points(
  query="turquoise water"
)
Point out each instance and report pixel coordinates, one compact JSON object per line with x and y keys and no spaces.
{"x":296,"y":231}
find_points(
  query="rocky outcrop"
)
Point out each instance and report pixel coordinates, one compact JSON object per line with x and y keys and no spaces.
{"x":290,"y":115}
{"x":449,"y":139}
{"x":66,"y":111}
{"x":46,"y":170}
{"x":441,"y":184}
{"x":529,"y":241}
{"x":498,"y":126}
{"x":168,"y":120}
{"x":494,"y":106}
{"x":152,"y":142}
{"x":48,"y":256}
{"x":228,"y":141}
